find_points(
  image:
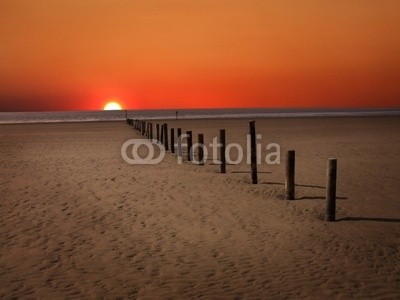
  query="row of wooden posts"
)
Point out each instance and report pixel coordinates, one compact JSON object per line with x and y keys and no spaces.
{"x":146,"y":129}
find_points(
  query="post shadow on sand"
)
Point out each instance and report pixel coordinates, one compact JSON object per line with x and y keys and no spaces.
{"x":388,"y":220}
{"x":248,"y":172}
{"x":308,"y":186}
{"x":302,"y":185}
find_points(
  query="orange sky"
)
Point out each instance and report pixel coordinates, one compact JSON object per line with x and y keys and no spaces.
{"x":72,"y":55}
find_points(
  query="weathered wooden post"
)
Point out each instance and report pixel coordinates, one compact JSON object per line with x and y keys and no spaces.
{"x":172,"y":140}
{"x":158,"y":132}
{"x":166,"y":136}
{"x":143,"y":127}
{"x":151,"y":132}
{"x":331,"y":190}
{"x":290,"y":171}
{"x":201,"y":149}
{"x":189,"y":145}
{"x":179,"y":146}
{"x":163,"y":134}
{"x":222,"y":141}
{"x":253,"y":152}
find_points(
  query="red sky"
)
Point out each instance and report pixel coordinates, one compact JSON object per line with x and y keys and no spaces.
{"x":73,"y":55}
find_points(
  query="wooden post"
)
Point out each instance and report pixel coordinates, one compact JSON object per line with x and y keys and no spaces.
{"x":148,"y":130}
{"x":158,"y":132}
{"x":172,"y":140}
{"x":253,"y":152}
{"x":162,"y":134}
{"x":331,"y":190}
{"x":289,"y":180}
{"x":143,"y":127}
{"x":179,"y":146}
{"x":222,"y":141}
{"x":151,"y":132}
{"x":166,"y":136}
{"x":189,"y":145}
{"x":201,"y":149}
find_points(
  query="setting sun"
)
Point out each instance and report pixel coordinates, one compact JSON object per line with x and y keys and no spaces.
{"x":112,"y":106}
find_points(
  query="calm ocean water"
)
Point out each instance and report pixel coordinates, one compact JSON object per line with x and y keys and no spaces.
{"x":87,"y":116}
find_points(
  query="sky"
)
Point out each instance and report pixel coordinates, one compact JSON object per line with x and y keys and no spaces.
{"x":148,"y":54}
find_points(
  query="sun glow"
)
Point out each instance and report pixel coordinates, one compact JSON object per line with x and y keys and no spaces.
{"x":112,"y":106}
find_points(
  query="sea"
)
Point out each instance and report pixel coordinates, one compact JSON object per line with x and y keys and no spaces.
{"x":119,"y":115}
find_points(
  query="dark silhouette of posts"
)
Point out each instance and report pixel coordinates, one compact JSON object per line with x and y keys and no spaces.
{"x":148,"y":130}
{"x":222,"y":141}
{"x":189,"y":145}
{"x":331,"y":190}
{"x":253,"y":152}
{"x":158,"y":132}
{"x":165,"y":126}
{"x":172,"y":140}
{"x":201,"y":149}
{"x":151,"y":132}
{"x":179,"y":145}
{"x":143,"y":127}
{"x":162,"y":134}
{"x":290,"y":171}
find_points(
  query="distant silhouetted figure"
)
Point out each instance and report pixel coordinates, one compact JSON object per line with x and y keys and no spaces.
{"x":176,"y":115}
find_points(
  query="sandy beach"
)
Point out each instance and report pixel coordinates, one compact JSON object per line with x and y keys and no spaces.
{"x":77,"y":221}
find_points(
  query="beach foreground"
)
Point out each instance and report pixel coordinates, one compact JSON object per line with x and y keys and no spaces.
{"x":78,"y":221}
